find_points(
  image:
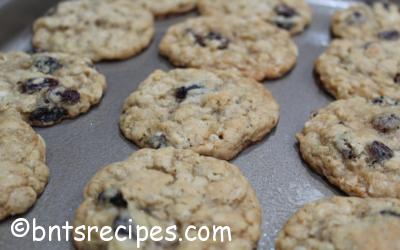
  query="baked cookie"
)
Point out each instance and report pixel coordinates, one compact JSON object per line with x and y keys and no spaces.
{"x":381,"y":20}
{"x":343,"y":223}
{"x":162,"y":8}
{"x":169,"y":187}
{"x":99,"y":30}
{"x":361,"y":68}
{"x":23,"y":172}
{"x":226,"y":42}
{"x":355,"y":144}
{"x":48,"y":87}
{"x":213,"y":113}
{"x":291,"y":15}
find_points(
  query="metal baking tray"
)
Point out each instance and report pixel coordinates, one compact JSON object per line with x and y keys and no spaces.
{"x":77,"y":149}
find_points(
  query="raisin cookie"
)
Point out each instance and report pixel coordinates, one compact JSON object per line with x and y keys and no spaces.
{"x":23,"y":172}
{"x":226,"y":43}
{"x":48,"y":87}
{"x":291,"y":15}
{"x":168,"y":187}
{"x":213,"y":113}
{"x":381,"y":20}
{"x":162,"y":8}
{"x":361,"y":68}
{"x":343,"y":223}
{"x":355,"y":144}
{"x":99,"y":30}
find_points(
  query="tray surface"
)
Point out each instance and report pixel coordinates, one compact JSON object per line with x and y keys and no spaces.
{"x":77,"y":148}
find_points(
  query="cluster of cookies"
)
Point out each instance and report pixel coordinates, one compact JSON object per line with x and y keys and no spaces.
{"x":354,"y":142}
{"x":191,"y":121}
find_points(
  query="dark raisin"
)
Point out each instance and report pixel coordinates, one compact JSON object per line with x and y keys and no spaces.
{"x":390,"y":213}
{"x":124,"y":223}
{"x":158,"y":141}
{"x":215,"y":36}
{"x":36,"y":84}
{"x":44,"y":115}
{"x":285,"y":10}
{"x":386,"y":123}
{"x":47,"y":64}
{"x":397,"y":78}
{"x":355,"y":18}
{"x":379,"y":152}
{"x":390,"y":35}
{"x":182,"y":92}
{"x":347,"y":151}
{"x":114,"y":197}
{"x":70,"y":96}
{"x":197,"y":38}
{"x":385,"y":101}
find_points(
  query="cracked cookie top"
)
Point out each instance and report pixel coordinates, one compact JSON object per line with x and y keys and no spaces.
{"x":369,"y":68}
{"x":227,"y":43}
{"x":213,"y":113}
{"x":48,"y":87}
{"x":162,"y":8}
{"x":167,"y":187}
{"x":355,"y":144}
{"x":343,"y":223}
{"x":99,"y":30}
{"x":291,"y":15}
{"x":364,"y":21}
{"x":23,"y":172}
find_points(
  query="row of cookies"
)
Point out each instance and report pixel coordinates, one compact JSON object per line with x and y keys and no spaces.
{"x":354,"y":142}
{"x":233,"y":114}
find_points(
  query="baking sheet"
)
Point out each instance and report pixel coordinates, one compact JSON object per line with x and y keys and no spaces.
{"x":77,"y":148}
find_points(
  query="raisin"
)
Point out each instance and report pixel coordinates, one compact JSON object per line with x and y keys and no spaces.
{"x":197,"y":38}
{"x":124,"y":223}
{"x":397,"y":78}
{"x":285,"y":10}
{"x":215,"y":36}
{"x":347,"y":151}
{"x":355,"y":18}
{"x":390,"y":213}
{"x":44,"y":115}
{"x":114,"y":197}
{"x":284,"y":25}
{"x":36,"y":84}
{"x":182,"y":92}
{"x":385,"y":101}
{"x":47,"y":64}
{"x":386,"y":123}
{"x":379,"y":152}
{"x":70,"y":96}
{"x":158,"y":141}
{"x":390,"y":35}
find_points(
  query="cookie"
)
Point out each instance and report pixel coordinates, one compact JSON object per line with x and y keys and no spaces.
{"x":23,"y":172}
{"x":99,"y":30}
{"x":361,"y":68}
{"x":48,"y":87}
{"x":381,"y":20}
{"x":167,"y":187}
{"x":355,"y":144}
{"x":291,"y":15}
{"x":162,"y":8}
{"x":227,"y":43}
{"x":343,"y":223}
{"x":213,"y":113}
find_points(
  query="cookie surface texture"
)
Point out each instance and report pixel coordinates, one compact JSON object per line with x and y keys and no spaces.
{"x":355,"y":144}
{"x":168,"y":187}
{"x":23,"y":172}
{"x":48,"y":87}
{"x":227,"y":43}
{"x":343,"y":223}
{"x":96,"y":29}
{"x":213,"y":113}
